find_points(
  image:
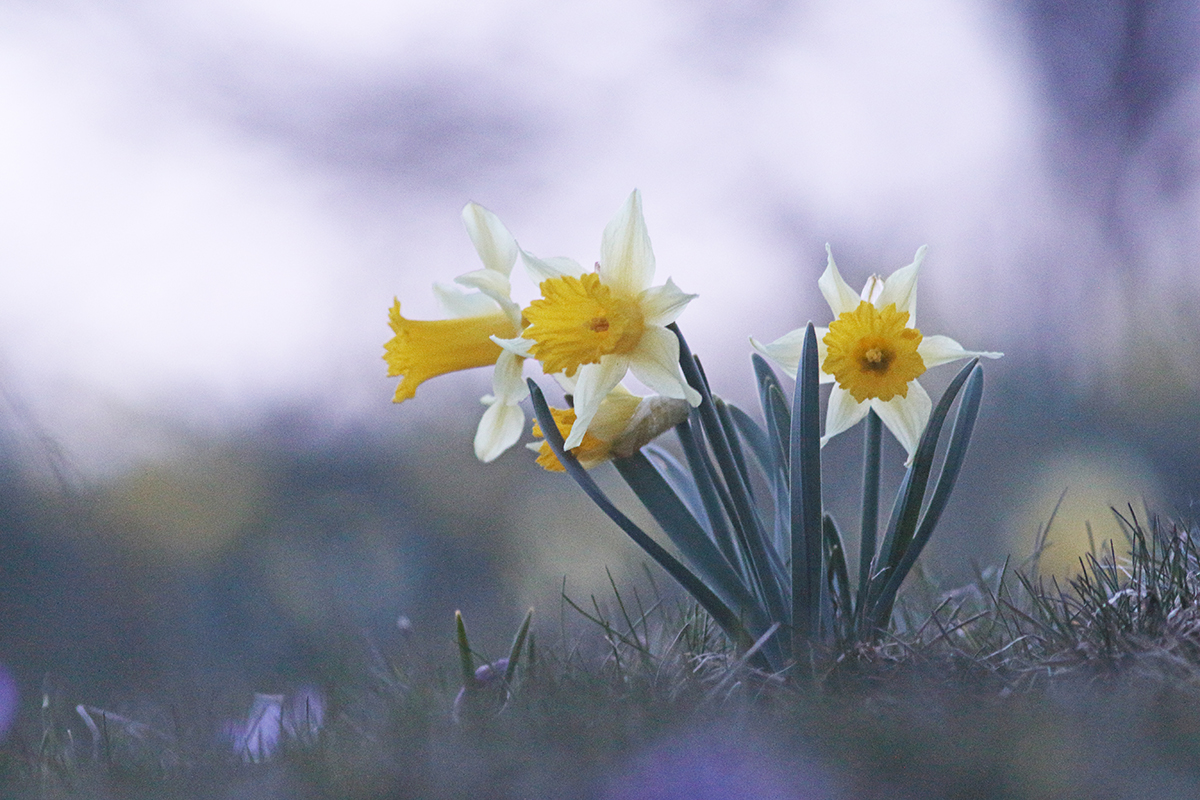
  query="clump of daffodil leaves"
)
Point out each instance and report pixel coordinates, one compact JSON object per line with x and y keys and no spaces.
{"x":768,"y":566}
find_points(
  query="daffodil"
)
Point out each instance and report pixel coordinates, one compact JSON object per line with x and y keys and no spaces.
{"x":594,"y":327}
{"x":873,"y":353}
{"x":623,"y":424}
{"x":423,"y":349}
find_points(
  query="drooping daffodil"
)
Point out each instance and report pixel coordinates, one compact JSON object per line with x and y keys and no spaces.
{"x":594,"y":327}
{"x":423,"y":349}
{"x":623,"y":424}
{"x":873,"y":353}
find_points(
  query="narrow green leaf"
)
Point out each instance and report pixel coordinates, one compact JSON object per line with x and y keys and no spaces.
{"x":685,"y":533}
{"x":748,"y":526}
{"x":774,"y":405}
{"x":805,"y":445}
{"x":956,"y":451}
{"x":837,"y":577}
{"x":465,"y":660}
{"x":730,"y":622}
{"x":514,"y":653}
{"x":907,"y":509}
{"x":682,"y":482}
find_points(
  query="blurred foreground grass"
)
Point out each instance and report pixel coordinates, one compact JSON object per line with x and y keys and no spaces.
{"x":1009,"y":687}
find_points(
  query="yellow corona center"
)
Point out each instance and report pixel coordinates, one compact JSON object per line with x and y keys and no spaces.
{"x":423,"y":349}
{"x":578,"y":320}
{"x":590,"y":452}
{"x":871,"y":352}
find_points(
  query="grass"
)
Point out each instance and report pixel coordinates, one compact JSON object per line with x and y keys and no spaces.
{"x":1013,"y":686}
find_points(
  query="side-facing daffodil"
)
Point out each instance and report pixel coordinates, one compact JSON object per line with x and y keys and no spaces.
{"x":423,"y":349}
{"x":622,"y":425}
{"x":873,"y":352}
{"x":594,"y":327}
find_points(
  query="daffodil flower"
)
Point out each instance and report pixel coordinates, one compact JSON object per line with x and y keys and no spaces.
{"x":623,"y":424}
{"x":423,"y":349}
{"x":596,"y":326}
{"x":873,"y":353}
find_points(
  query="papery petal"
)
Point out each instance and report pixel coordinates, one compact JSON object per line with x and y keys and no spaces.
{"x":787,"y":349}
{"x":518,"y":345}
{"x":543,"y":269}
{"x":508,"y":385}
{"x":626,"y":258}
{"x":935,"y":350}
{"x":906,"y":417}
{"x":655,"y":363}
{"x":842,"y":413}
{"x":901,"y":288}
{"x":496,"y":247}
{"x":662,"y":305}
{"x":595,"y":382}
{"x":500,"y":428}
{"x":458,"y":304}
{"x":496,"y":286}
{"x":837,"y":292}
{"x":784,"y":351}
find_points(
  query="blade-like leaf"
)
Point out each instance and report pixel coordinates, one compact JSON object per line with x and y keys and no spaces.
{"x":956,"y":451}
{"x":730,"y":622}
{"x":774,"y":404}
{"x":681,"y":481}
{"x":748,"y":526}
{"x":805,"y":445}
{"x":686,"y":534}
{"x":907,"y":510}
{"x":514,"y":653}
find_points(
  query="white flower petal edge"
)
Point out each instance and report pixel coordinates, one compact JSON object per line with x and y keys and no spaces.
{"x":458,"y":304}
{"x":594,"y":383}
{"x":626,"y":257}
{"x":838,"y":294}
{"x":937,"y":350}
{"x":843,"y":413}
{"x":787,"y":349}
{"x":905,"y":417}
{"x":502,"y":424}
{"x":544,"y":269}
{"x":496,"y":247}
{"x":662,"y":305}
{"x":901,"y":288}
{"x":656,"y":364}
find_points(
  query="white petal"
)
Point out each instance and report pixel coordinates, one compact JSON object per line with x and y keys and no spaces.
{"x":495,"y":245}
{"x":842,"y":413}
{"x":655,"y":362}
{"x":595,"y":382}
{"x":496,"y":286}
{"x":518,"y":345}
{"x":906,"y":417}
{"x":787,"y":349}
{"x":499,"y":429}
{"x":626,"y":258}
{"x":508,"y":385}
{"x":458,"y":304}
{"x":662,"y":305}
{"x":837,"y":292}
{"x":901,"y":288}
{"x":543,"y":269}
{"x":935,"y":350}
{"x":784,"y":351}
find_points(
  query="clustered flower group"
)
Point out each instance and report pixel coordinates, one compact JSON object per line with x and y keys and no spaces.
{"x":589,"y":329}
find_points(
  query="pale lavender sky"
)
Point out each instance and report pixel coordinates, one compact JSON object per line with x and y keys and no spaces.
{"x":206,"y":207}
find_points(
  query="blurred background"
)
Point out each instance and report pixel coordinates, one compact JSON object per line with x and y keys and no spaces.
{"x":206,"y":209}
